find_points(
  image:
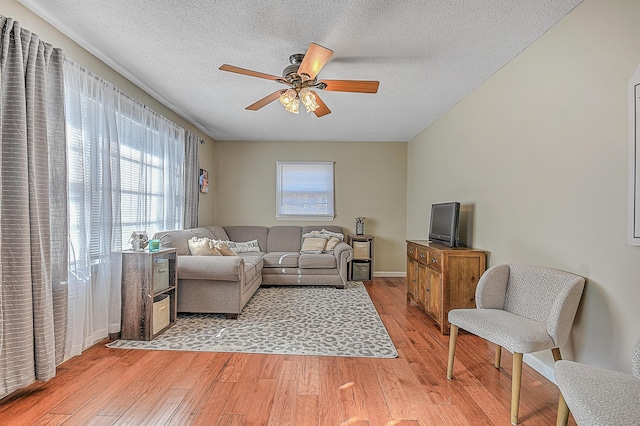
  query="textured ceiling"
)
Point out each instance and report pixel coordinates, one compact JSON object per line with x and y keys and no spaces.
{"x":426,"y":54}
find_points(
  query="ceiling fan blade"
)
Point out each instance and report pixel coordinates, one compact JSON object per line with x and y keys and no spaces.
{"x":265,"y":101}
{"x":322,"y":109}
{"x":314,"y":60}
{"x":359,"y":86}
{"x":250,"y":73}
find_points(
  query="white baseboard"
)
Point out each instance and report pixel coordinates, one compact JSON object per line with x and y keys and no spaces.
{"x":539,"y":366}
{"x":390,"y":274}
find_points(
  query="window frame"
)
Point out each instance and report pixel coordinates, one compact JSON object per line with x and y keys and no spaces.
{"x":283,"y":214}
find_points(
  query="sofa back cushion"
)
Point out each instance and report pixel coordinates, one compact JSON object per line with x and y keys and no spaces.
{"x":241,"y":234}
{"x":284,"y":239}
{"x":178,"y":239}
{"x":218,"y":233}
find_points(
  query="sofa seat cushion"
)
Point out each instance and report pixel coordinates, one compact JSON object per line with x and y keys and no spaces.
{"x":317,"y":261}
{"x":281,"y":259}
{"x":299,"y":271}
{"x":252,"y":267}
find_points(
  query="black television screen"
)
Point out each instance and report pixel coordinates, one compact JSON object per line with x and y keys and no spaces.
{"x":443,"y":226}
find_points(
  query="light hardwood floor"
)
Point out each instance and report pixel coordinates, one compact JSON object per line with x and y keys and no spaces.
{"x":114,"y":386}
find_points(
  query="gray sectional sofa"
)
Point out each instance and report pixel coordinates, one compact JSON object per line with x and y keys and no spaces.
{"x":224,"y":284}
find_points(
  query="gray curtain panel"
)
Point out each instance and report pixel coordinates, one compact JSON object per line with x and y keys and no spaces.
{"x":191,"y":175}
{"x":33,"y":208}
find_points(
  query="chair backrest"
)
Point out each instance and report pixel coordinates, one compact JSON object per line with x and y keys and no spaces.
{"x":636,"y":359}
{"x":546,"y":295}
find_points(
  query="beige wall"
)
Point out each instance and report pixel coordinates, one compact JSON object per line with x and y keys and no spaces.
{"x":370,"y":181}
{"x":31,"y":22}
{"x":540,"y":151}
{"x":207,"y":202}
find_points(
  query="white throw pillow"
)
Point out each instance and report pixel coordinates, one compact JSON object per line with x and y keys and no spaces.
{"x":202,"y":247}
{"x":244,"y":247}
{"x":223,"y":248}
{"x":332,"y":234}
{"x":331,"y":244}
{"x":313,"y":245}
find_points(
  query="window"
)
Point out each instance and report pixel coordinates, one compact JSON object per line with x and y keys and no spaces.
{"x":304,"y":190}
{"x":126,"y":168}
{"x":151,"y":174}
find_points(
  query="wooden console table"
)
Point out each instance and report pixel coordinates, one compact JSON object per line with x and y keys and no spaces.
{"x":441,"y":278}
{"x":149,"y":293}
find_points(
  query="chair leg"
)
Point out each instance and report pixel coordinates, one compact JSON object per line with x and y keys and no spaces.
{"x":453,"y":336}
{"x":563,"y":409}
{"x":563,"y":412}
{"x":498,"y":356}
{"x":516,"y":380}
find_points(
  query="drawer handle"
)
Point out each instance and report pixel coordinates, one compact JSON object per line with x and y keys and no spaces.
{"x":434,"y":260}
{"x":421,"y":256}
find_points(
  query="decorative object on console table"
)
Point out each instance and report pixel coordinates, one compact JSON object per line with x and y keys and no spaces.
{"x":154,"y":245}
{"x":361,"y":267}
{"x":138,"y":240}
{"x":149,"y":293}
{"x":360,"y":225}
{"x":441,"y":278}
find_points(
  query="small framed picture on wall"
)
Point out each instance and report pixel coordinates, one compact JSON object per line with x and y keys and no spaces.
{"x":204,"y":181}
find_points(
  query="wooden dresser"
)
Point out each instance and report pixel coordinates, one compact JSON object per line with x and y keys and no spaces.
{"x":440,"y":278}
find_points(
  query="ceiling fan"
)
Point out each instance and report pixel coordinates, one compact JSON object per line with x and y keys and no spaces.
{"x":301,"y":77}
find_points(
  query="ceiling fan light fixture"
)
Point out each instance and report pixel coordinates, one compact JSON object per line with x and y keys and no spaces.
{"x":290,"y":100}
{"x":302,"y":78}
{"x":309,"y":100}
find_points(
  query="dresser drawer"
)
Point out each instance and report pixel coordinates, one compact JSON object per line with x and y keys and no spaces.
{"x":434,"y":259}
{"x":412,"y":251}
{"x":423,"y":255}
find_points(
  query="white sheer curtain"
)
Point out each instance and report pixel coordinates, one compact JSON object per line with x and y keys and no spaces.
{"x":126,"y":173}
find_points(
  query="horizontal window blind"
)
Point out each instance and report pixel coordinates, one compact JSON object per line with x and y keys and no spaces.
{"x":305,"y":190}
{"x":126,"y":167}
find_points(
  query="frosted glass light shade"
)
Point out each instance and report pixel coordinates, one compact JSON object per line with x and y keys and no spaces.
{"x":290,"y":100}
{"x":309,"y":100}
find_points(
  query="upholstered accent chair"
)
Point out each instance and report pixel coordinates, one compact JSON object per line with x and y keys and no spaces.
{"x":597,"y":396}
{"x":523,"y":309}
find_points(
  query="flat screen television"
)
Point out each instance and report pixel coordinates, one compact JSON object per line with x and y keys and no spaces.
{"x":443,"y":226}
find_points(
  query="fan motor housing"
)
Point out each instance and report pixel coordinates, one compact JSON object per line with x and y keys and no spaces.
{"x":295,"y":60}
{"x":290,"y":69}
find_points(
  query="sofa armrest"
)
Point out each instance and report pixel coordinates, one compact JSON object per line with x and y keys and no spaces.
{"x":343,"y":253}
{"x":220,"y":268}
